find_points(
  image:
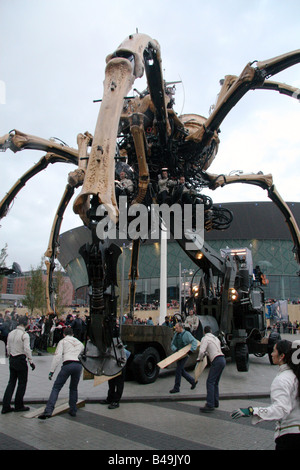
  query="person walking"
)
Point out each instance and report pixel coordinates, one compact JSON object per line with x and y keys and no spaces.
{"x":18,"y":350}
{"x":67,"y":351}
{"x":211,"y":346}
{"x":285,"y":398}
{"x":180,"y":339}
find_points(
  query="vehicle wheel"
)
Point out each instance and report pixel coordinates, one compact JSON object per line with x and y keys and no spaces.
{"x":145,"y":366}
{"x":129,"y":373}
{"x":242,"y":357}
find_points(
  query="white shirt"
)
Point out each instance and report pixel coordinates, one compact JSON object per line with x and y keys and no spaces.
{"x":18,"y":343}
{"x":68,"y":349}
{"x":285,"y":407}
{"x":210,"y":346}
{"x":126,"y":184}
{"x":192,"y":321}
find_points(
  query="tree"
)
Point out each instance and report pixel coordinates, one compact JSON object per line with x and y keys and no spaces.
{"x":35,"y":292}
{"x":59,"y":287}
{"x":3,"y":256}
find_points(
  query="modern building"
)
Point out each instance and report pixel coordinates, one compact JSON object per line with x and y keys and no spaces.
{"x":259,"y":226}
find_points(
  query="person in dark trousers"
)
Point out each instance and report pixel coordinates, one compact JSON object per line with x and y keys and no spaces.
{"x":115,"y":388}
{"x":180,"y":339}
{"x":77,"y":327}
{"x":285,"y":398}
{"x":67,"y":351}
{"x":18,"y":350}
{"x":5,"y":329}
{"x":211,"y":346}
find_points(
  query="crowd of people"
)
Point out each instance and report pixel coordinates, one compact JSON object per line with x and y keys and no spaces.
{"x":44,"y":331}
{"x":287,"y":327}
{"x":168,"y":189}
{"x":47,"y":330}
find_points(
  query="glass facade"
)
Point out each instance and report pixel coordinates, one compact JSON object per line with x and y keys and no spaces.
{"x":275,"y":258}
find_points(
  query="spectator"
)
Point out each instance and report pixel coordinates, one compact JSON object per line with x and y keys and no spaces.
{"x":164,"y":186}
{"x":5,"y":329}
{"x":167,"y":322}
{"x":59,"y":331}
{"x":192,"y":322}
{"x":77,"y":327}
{"x":125,"y":186}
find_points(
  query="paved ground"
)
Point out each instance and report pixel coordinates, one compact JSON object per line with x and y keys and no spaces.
{"x":149,"y":418}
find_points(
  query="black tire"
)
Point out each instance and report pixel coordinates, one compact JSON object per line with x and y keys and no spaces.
{"x":242,"y":357}
{"x":129,"y":373}
{"x":145,"y":366}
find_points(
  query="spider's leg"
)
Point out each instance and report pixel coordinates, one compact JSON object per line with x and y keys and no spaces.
{"x":234,"y":88}
{"x":53,"y":246}
{"x":156,"y":87}
{"x":282,"y":88}
{"x":104,"y":353}
{"x":279,"y":63}
{"x":138,"y":133}
{"x":123,"y":67}
{"x":17,"y":141}
{"x":39,"y":166}
{"x":264,"y":182}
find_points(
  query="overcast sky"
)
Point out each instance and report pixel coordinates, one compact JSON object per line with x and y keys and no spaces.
{"x":52,"y":57}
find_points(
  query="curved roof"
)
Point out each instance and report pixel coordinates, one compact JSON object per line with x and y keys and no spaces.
{"x":252,"y":220}
{"x":260,"y":220}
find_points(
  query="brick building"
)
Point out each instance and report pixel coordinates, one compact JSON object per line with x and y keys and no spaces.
{"x":14,"y":286}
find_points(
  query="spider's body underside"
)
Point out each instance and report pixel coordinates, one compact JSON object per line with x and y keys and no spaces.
{"x":141,"y":135}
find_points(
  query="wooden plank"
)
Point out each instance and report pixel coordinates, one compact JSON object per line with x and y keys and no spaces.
{"x":200,"y":366}
{"x":100,"y":379}
{"x":176,"y":356}
{"x":86,"y":375}
{"x":60,"y":408}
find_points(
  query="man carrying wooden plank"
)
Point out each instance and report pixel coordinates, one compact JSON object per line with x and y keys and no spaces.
{"x":181,"y":339}
{"x":67,"y":351}
{"x":211,"y":346}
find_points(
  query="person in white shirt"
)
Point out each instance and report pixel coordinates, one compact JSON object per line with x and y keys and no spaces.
{"x":165,"y":186}
{"x":67,"y":351}
{"x":125,"y":184}
{"x":211,"y":346}
{"x":18,"y":350}
{"x":285,"y":398}
{"x":192,"y":322}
